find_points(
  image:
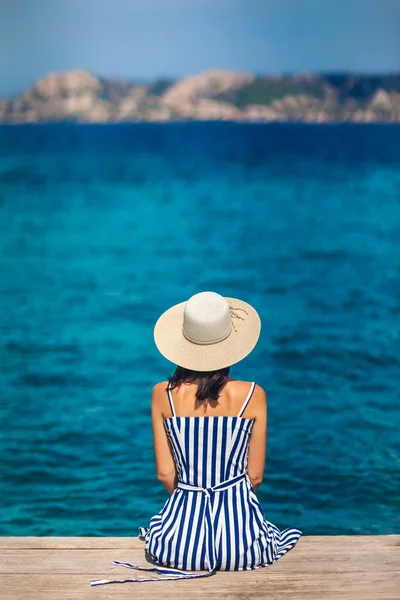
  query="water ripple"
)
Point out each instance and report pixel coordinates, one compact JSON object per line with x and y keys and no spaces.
{"x":99,"y":236}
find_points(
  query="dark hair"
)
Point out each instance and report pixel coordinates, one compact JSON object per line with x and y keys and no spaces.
{"x":210,"y":382}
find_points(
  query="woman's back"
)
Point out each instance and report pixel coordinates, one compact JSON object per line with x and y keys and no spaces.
{"x":230,"y":402}
{"x":210,"y":520}
{"x":209,"y":448}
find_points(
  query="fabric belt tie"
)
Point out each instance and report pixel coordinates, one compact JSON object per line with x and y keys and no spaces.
{"x":210,"y":533}
{"x":210,"y":536}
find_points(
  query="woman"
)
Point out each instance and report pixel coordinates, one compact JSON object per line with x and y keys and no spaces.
{"x":209,"y":435}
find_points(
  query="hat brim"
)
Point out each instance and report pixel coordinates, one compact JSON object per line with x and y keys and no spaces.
{"x":174,"y":346}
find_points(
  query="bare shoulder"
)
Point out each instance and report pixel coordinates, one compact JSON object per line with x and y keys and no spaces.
{"x":258,"y":402}
{"x":243,"y":387}
{"x":257,"y":407}
{"x":259,"y":391}
{"x":259,"y":396}
{"x":160,"y":387}
{"x":158,"y":393}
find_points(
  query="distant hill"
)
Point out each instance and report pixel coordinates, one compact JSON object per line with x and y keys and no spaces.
{"x":79,"y":96}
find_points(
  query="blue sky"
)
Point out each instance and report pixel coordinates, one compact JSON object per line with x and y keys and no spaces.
{"x":153,"y":38}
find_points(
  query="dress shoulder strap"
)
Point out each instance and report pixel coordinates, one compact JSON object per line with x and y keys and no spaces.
{"x":249,"y":395}
{"x":171,"y":404}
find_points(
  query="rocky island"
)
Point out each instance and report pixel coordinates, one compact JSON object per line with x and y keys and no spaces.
{"x":80,"y":96}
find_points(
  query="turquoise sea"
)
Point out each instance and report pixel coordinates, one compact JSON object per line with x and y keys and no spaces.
{"x":104,"y":227}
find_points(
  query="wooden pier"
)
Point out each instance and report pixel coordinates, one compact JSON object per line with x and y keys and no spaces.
{"x":318,"y":568}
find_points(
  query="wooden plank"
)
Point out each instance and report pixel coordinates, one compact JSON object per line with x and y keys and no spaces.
{"x":134,"y":542}
{"x":318,"y":568}
{"x":89,"y":560}
{"x":330,"y":587}
{"x":69,"y":542}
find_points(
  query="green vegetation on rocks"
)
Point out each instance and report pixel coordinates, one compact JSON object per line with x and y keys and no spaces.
{"x":213,"y":95}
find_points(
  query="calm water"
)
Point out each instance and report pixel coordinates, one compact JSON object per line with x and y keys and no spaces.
{"x":104,"y":227}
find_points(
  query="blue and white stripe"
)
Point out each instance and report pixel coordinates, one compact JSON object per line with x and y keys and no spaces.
{"x":213,"y":520}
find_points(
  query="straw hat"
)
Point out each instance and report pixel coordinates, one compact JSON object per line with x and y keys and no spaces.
{"x":208,"y":332}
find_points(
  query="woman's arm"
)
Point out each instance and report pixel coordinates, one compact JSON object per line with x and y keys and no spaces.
{"x":165,"y":464}
{"x":258,"y":438}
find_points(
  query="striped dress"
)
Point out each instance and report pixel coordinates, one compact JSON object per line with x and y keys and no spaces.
{"x":213,"y":520}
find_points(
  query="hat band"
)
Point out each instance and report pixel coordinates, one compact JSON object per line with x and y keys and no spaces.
{"x":205,"y":343}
